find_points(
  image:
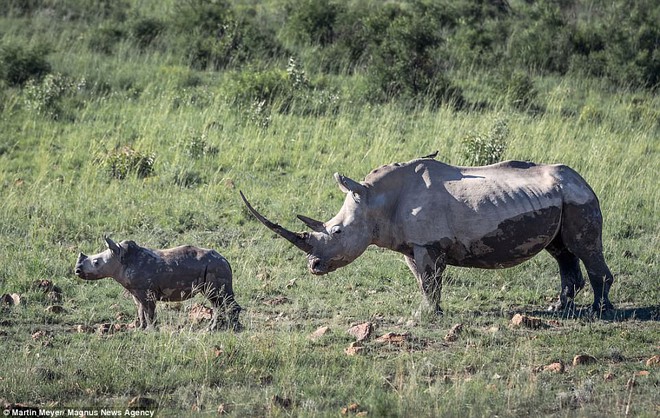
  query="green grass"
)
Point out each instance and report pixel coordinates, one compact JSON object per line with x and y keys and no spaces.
{"x":57,"y":200}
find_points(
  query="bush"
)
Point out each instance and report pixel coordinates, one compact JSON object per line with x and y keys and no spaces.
{"x":18,"y":64}
{"x":197,"y":146}
{"x":126,"y":161}
{"x":542,"y":42}
{"x":104,"y":39}
{"x":145,"y":30}
{"x":520,"y":90}
{"x":408,"y":63}
{"x":217,"y":37}
{"x":45,"y":97}
{"x":259,"y":86}
{"x":19,"y":7}
{"x":479,"y":149}
{"x":312,"y":21}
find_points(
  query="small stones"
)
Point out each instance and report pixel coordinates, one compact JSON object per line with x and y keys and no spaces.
{"x":110,"y":329}
{"x":353,"y":349}
{"x":320,"y":332}
{"x":44,"y":336}
{"x":10,"y":299}
{"x":277,"y":300}
{"x":453,"y":333}
{"x":556,"y":367}
{"x":531,"y":322}
{"x":281,"y":401}
{"x":526,"y":321}
{"x":361,"y":331}
{"x":200,"y":313}
{"x":82,"y":329}
{"x":583,"y":360}
{"x":142,"y":402}
{"x":653,"y":361}
{"x":393,"y":338}
{"x":56,"y":309}
{"x":354,"y":409}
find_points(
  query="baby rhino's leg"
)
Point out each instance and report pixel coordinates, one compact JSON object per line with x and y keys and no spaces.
{"x":146,"y":310}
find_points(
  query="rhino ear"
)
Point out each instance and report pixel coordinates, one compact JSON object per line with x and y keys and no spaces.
{"x":347,"y":185}
{"x":116,"y":249}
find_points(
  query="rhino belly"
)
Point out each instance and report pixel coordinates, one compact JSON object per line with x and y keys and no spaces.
{"x":515,"y":240}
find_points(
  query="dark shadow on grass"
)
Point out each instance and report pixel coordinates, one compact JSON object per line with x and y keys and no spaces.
{"x":581,"y":312}
{"x":647,"y":313}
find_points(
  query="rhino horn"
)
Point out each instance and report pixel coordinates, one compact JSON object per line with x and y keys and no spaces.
{"x":313,"y":224}
{"x":297,"y":239}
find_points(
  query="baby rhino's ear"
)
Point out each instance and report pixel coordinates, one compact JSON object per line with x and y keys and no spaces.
{"x":116,"y":249}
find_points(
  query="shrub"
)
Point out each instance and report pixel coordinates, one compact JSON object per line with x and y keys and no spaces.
{"x":259,"y":114}
{"x":520,"y":89}
{"x":312,"y":21}
{"x":217,"y":37}
{"x":45,"y":96}
{"x":542,"y":42}
{"x":408,"y":63}
{"x":126,"y":161}
{"x":19,"y":7}
{"x":479,"y":149}
{"x":145,"y":30}
{"x":257,"y":86}
{"x":197,"y":146}
{"x":188,"y":178}
{"x":104,"y":39}
{"x":18,"y":64}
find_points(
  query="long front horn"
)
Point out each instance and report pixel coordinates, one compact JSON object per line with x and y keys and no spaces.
{"x":294,"y":238}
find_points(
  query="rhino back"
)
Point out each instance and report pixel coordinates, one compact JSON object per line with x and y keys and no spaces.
{"x":471,"y":211}
{"x":174,"y":267}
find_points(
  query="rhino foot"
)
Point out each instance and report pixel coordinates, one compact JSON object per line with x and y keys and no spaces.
{"x":602,"y":308}
{"x":565,"y":309}
{"x":425,"y":312}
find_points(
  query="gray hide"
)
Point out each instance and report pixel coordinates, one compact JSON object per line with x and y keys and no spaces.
{"x":170,"y":275}
{"x":488,"y":217}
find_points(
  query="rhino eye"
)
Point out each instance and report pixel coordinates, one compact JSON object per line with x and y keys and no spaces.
{"x":335,"y":230}
{"x":95,"y":262}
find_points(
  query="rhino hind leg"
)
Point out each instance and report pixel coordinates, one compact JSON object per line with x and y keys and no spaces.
{"x":427,"y":265}
{"x":225,"y":312}
{"x":582,"y":234}
{"x":572,"y":280}
{"x":601,"y":280}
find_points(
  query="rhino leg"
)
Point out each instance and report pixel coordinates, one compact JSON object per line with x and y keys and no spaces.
{"x":581,"y":231}
{"x":427,"y":265}
{"x":225,"y":305}
{"x":601,"y":280}
{"x":146,"y":309}
{"x":572,"y":280}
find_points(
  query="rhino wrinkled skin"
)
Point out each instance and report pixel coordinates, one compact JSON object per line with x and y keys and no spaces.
{"x":170,"y":275}
{"x":490,"y":217}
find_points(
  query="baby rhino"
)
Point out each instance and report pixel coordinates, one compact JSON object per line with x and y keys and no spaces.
{"x":170,"y":275}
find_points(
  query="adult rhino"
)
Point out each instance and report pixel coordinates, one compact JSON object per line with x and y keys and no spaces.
{"x":490,"y":217}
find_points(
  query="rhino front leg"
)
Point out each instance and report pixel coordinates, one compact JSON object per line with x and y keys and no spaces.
{"x":146,"y":310}
{"x":427,"y":265}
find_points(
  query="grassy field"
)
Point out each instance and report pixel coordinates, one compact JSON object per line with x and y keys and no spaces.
{"x":58,"y":198}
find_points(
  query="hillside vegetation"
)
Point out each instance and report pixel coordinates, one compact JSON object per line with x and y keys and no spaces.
{"x":143,"y":119}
